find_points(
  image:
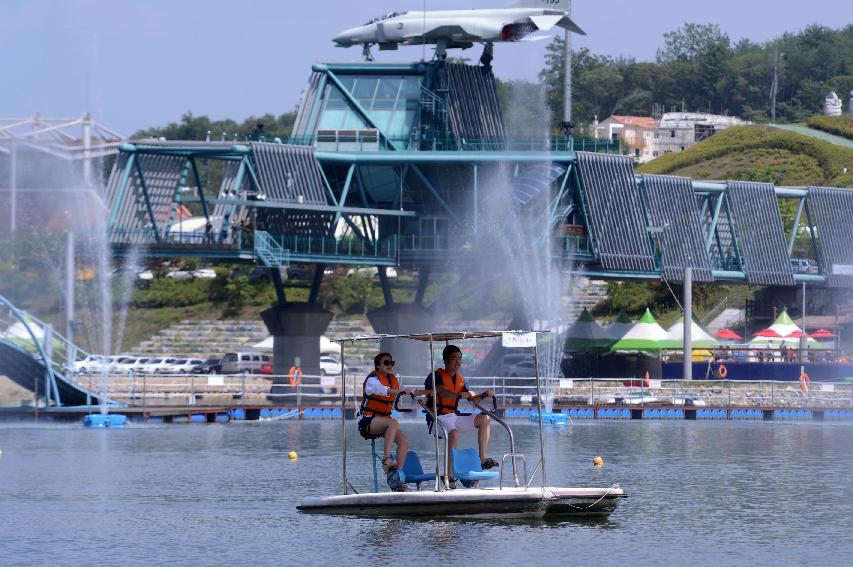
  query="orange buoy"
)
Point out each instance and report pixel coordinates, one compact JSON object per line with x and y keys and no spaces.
{"x":294,"y":376}
{"x":722,"y":371}
{"x":805,"y":381}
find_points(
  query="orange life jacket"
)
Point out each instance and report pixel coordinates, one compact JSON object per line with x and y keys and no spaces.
{"x":375,"y":404}
{"x":448,"y":404}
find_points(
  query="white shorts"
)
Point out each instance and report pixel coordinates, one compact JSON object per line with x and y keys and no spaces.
{"x":463,"y":423}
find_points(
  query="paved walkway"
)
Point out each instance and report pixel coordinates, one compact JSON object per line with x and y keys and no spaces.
{"x":820,"y":135}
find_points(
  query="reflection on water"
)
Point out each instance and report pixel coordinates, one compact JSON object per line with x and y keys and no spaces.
{"x":724,"y":493}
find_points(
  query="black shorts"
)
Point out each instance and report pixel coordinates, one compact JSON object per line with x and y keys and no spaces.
{"x":364,"y":428}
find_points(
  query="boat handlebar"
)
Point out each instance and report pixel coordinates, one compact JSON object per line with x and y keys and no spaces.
{"x":397,"y":402}
{"x":456,"y":406}
{"x":494,"y":404}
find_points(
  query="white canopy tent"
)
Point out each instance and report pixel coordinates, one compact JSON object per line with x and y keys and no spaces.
{"x":327,"y":346}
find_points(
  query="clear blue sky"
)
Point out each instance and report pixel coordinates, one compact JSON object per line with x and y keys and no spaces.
{"x":141,"y":63}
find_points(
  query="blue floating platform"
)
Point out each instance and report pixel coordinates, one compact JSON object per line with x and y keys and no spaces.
{"x":104,"y":420}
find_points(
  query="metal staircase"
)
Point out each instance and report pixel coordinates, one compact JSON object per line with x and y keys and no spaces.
{"x":269,"y":252}
{"x":431,"y":133}
{"x":41,"y":360}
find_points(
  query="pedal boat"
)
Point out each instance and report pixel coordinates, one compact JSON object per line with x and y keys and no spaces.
{"x":521,"y":501}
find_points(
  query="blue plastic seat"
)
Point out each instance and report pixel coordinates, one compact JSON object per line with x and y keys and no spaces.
{"x":466,"y":465}
{"x":413,"y":471}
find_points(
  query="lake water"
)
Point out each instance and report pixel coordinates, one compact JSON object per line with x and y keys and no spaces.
{"x":707,"y":493}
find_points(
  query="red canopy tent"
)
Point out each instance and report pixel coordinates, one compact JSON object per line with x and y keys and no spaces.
{"x":823,"y":334}
{"x":727,"y":334}
{"x":767,"y":333}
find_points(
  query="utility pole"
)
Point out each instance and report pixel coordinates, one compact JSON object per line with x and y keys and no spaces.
{"x":774,"y":88}
{"x":567,"y":80}
{"x":688,"y":323}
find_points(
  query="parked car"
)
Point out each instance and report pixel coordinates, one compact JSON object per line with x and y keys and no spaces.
{"x":201,"y":273}
{"x":126,"y":364}
{"x":521,"y":368}
{"x":372,"y":271}
{"x":91,"y":364}
{"x":266,"y":368}
{"x":155,"y":364}
{"x":243,"y":362}
{"x":209,"y":366}
{"x":330,"y":365}
{"x":178,"y":366}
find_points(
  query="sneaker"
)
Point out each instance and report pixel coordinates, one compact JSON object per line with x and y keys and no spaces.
{"x":490,"y":463}
{"x":389,"y":464}
{"x":396,"y":481}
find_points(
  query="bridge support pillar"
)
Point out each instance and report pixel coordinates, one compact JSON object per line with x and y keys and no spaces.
{"x":412,"y":357}
{"x":296,"y":330}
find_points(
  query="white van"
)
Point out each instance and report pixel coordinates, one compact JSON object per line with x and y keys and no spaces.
{"x":243,"y":362}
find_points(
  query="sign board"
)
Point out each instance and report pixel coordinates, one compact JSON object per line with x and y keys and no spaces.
{"x":566,"y":384}
{"x":513,"y":339}
{"x":842,"y":270}
{"x":827,"y":387}
{"x":654,"y":383}
{"x":216,"y":380}
{"x":327,"y":381}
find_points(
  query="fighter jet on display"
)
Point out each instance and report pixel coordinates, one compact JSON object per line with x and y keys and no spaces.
{"x":460,"y":29}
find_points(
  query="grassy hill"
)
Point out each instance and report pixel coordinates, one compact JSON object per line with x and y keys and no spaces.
{"x":838,"y":125}
{"x":760,"y":153}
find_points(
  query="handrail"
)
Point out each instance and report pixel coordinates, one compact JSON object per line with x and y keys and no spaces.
{"x":493,"y":414}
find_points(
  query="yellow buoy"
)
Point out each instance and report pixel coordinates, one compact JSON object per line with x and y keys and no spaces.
{"x":598,"y":462}
{"x":292,"y":455}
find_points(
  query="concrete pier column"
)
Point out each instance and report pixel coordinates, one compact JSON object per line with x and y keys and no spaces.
{"x":412,"y":357}
{"x":296,"y":330}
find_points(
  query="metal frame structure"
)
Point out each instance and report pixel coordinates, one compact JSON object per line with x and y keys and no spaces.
{"x":402,"y":152}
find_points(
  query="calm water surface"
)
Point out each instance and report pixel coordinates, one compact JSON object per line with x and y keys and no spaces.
{"x":700,"y":492}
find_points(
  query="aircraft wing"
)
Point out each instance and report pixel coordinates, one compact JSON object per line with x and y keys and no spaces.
{"x":454,"y":33}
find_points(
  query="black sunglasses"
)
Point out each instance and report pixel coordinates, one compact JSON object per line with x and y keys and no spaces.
{"x":388,"y":362}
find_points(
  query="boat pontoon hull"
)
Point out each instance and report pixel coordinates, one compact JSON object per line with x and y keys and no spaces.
{"x":483,"y":503}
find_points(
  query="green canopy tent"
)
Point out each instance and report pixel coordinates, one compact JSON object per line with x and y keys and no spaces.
{"x":646,"y":335}
{"x":585,"y":335}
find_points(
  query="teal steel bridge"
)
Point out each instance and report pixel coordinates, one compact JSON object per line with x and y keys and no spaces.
{"x":389,"y":165}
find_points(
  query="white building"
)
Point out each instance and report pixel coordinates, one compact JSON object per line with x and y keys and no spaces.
{"x":677,"y":131}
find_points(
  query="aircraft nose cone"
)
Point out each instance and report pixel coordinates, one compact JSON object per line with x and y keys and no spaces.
{"x":344,"y":39}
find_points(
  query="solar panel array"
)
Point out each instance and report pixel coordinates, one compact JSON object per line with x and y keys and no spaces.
{"x":162,"y":174}
{"x":615,"y":212}
{"x":758,"y":226}
{"x":833,"y":218}
{"x":301,"y":126}
{"x":475,"y":112}
{"x":288,"y":174}
{"x":671,"y":205}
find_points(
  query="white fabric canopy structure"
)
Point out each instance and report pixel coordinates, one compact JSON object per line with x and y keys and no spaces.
{"x":620,"y":325}
{"x":327,"y":346}
{"x":699,"y":338}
